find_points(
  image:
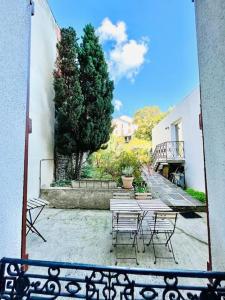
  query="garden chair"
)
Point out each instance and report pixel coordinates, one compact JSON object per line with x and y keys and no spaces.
{"x":34,"y":208}
{"x":162,"y":223}
{"x":126,"y":224}
{"x":121,"y":195}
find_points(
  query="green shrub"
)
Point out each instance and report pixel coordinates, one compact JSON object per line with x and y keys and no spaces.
{"x":128,"y":171}
{"x":86,"y":171}
{"x":61,"y":183}
{"x":140,"y":186}
{"x":128,"y":159}
{"x":141,"y":189}
{"x":196,"y":194}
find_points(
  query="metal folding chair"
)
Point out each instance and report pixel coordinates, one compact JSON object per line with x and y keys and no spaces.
{"x":126,"y":223}
{"x":34,"y":205}
{"x":162,"y":223}
{"x":119,"y":196}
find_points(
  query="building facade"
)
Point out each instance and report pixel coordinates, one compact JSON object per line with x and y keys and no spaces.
{"x":210,"y":24}
{"x":182,"y":137}
{"x":44,"y":35}
{"x":27,"y":56}
{"x":124,"y":127}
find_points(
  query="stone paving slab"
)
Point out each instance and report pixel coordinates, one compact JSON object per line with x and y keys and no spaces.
{"x":83,"y":236}
{"x":171,"y":194}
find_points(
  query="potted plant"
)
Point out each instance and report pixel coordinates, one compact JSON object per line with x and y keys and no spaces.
{"x":127,"y":177}
{"x":142,"y":192}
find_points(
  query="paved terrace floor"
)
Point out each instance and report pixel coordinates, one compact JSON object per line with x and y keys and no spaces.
{"x":83,"y":236}
{"x":171,"y":194}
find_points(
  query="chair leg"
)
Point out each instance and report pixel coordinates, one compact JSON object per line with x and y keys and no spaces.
{"x":167,"y":244}
{"x":115,"y":245}
{"x":143,"y":243}
{"x":171,"y":246}
{"x":151,"y":238}
{"x":136,"y":248}
{"x":34,"y":230}
{"x":142,"y":237}
{"x":135,"y":241}
{"x":154,"y":249}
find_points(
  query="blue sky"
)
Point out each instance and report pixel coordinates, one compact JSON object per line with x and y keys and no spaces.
{"x":150,"y":46}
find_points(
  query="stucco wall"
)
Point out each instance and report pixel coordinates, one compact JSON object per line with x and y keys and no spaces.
{"x":187,"y":112}
{"x":210,"y":19}
{"x":14,"y":52}
{"x":80,"y":198}
{"x":43,"y":56}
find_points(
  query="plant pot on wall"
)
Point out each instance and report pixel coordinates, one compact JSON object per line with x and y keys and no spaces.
{"x":127,"y":177}
{"x":143,"y":196}
{"x":127,"y":182}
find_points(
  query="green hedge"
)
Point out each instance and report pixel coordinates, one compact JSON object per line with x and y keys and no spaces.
{"x":196,"y":194}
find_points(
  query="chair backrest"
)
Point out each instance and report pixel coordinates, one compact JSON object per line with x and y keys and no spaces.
{"x":166,"y":215}
{"x":121,"y":195}
{"x":129,"y":216}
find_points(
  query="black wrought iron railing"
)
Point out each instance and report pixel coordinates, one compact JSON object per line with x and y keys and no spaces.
{"x":53,"y":280}
{"x":169,"y":151}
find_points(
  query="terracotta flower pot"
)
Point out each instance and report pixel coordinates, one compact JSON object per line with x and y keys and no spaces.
{"x":127,"y":182}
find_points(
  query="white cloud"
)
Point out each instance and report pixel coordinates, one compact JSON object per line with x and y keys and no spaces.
{"x":126,"y":60}
{"x":127,"y":55}
{"x":108,"y":31}
{"x":118,"y":104}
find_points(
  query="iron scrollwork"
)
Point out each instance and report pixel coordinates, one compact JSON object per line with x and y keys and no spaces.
{"x":29,"y":279}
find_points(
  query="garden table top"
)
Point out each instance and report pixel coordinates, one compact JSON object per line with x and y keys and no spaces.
{"x":138,"y":205}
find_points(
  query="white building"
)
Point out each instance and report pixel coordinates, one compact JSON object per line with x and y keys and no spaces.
{"x":124,"y":127}
{"x":178,"y":141}
{"x":26,"y":92}
{"x":44,"y":35}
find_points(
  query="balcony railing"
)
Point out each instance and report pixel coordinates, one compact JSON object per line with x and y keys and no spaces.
{"x":169,"y":151}
{"x":53,"y":280}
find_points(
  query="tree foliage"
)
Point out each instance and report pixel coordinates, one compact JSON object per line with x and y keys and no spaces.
{"x":119,"y":155}
{"x":69,"y":100}
{"x":97,"y":90}
{"x":146,"y":118}
{"x":83,"y":96}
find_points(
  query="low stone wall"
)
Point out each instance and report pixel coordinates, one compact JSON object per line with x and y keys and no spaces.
{"x":80,"y":198}
{"x":96,"y":184}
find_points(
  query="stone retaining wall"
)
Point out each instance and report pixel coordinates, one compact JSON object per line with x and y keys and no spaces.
{"x":80,"y":198}
{"x":96,"y":184}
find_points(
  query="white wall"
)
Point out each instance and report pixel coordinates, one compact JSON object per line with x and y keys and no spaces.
{"x":124,"y":127}
{"x":14,"y":53}
{"x":210,"y":20}
{"x":43,"y":57}
{"x":187,"y":112}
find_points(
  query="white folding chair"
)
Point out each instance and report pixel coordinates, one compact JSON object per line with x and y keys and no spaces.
{"x":121,"y":195}
{"x":163,"y":223}
{"x":126,"y":223}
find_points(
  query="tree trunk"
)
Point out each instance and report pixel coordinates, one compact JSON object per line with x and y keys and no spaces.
{"x":76,"y":173}
{"x":80,"y":164}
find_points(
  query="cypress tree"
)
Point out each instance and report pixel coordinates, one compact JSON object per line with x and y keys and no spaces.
{"x":83,"y":96}
{"x":97,"y":89}
{"x":69,"y":101}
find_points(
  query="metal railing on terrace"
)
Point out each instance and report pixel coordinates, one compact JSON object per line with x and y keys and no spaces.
{"x":169,"y":151}
{"x":53,"y":280}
